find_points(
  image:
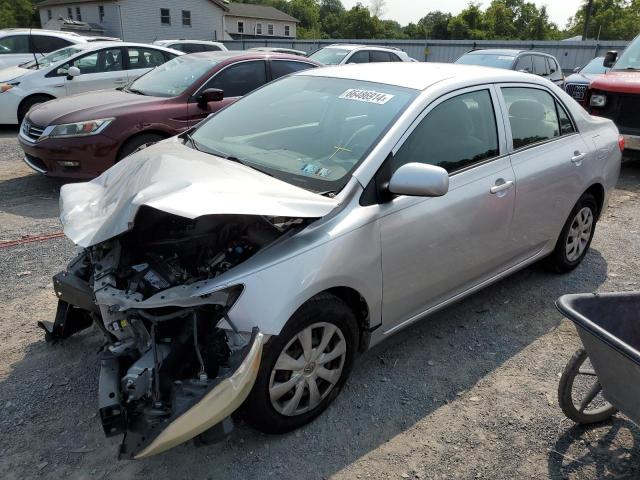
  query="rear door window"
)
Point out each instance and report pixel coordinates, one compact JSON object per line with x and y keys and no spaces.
{"x":239,"y":79}
{"x":359,"y":57}
{"x":378,"y":56}
{"x":210,"y":48}
{"x":14,"y":44}
{"x":144,"y":58}
{"x":280,"y":68}
{"x":540,"y":66}
{"x":524,"y":64}
{"x":188,"y":47}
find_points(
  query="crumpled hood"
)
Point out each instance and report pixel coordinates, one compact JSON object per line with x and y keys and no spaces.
{"x":176,"y":179}
{"x":12,"y":73}
{"x":622,"y":82}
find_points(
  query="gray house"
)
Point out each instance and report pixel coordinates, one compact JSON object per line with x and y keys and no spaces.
{"x":249,"y":21}
{"x":141,"y":20}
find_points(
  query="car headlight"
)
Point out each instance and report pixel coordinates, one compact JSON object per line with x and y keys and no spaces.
{"x":598,"y":100}
{"x":80,"y":129}
{"x":8,"y":86}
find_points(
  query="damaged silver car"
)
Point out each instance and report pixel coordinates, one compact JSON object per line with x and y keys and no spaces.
{"x":240,"y":267}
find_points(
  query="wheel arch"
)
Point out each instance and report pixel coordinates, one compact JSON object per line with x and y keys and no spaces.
{"x":31,"y":96}
{"x":597,"y":190}
{"x":358,"y":305}
{"x":152,"y":131}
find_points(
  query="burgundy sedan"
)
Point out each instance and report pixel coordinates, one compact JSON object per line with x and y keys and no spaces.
{"x":83,"y":135}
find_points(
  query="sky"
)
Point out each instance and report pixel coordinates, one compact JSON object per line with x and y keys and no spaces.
{"x":405,"y":11}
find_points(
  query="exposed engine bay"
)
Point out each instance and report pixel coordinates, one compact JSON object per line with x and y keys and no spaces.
{"x":172,"y":372}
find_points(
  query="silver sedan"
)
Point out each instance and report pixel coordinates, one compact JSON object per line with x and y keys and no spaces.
{"x":244,"y":264}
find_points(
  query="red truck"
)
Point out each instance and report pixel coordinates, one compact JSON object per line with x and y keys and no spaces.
{"x":616,"y":95}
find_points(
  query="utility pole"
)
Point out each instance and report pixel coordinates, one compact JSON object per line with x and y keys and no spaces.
{"x":587,"y":19}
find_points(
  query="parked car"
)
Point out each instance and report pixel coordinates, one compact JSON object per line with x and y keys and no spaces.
{"x":19,"y":45}
{"x":245,"y":263}
{"x":83,"y":135}
{"x":527,"y":61}
{"x":192,"y":46}
{"x":84,"y":68}
{"x":340,"y":54}
{"x":616,"y":95}
{"x":577,"y":84}
{"x":290,"y":51}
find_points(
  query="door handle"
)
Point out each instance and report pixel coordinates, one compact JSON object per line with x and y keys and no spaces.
{"x":578,"y":157}
{"x":502,"y":187}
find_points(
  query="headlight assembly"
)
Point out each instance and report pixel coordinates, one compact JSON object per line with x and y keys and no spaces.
{"x":80,"y":129}
{"x":598,"y":100}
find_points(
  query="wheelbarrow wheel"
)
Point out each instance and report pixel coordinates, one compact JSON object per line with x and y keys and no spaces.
{"x":582,"y":401}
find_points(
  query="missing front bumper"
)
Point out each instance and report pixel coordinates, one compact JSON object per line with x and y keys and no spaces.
{"x":197,"y":406}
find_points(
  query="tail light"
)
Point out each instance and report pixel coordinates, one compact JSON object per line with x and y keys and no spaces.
{"x":621,"y":143}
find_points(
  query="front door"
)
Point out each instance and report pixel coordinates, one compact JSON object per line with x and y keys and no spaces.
{"x":550,"y":161}
{"x":436,"y":248}
{"x":99,"y":70}
{"x":235,"y":81}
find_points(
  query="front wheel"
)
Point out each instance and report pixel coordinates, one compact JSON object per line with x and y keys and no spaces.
{"x":580,"y":393}
{"x":304,"y":368}
{"x":576,"y":236}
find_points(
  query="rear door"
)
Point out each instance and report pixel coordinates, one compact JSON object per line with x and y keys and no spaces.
{"x":549,"y":158}
{"x":141,"y":60}
{"x":99,"y":70}
{"x":234,"y":80}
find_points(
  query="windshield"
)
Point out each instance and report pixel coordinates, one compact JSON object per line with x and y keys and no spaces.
{"x":487,"y":60}
{"x":172,"y":78}
{"x":51,"y":58}
{"x":330,"y":56}
{"x":630,"y":58}
{"x":595,"y":67}
{"x":306,"y":130}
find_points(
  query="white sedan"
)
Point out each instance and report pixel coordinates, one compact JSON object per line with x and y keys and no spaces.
{"x":72,"y":70}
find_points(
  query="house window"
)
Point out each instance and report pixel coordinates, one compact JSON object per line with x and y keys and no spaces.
{"x":240,"y":27}
{"x":186,"y":18}
{"x":101,"y":13}
{"x":78,"y":14}
{"x":258,"y":29}
{"x":165,"y":16}
{"x":49,"y":14}
{"x":270,"y":28}
{"x":287,"y":30}
{"x":69,"y":13}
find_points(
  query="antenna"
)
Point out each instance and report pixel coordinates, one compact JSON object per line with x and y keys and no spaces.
{"x":33,"y":47}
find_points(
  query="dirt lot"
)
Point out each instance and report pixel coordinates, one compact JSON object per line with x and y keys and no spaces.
{"x":469,"y":393}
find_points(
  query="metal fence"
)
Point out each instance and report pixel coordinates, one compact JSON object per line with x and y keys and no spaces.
{"x":569,"y":54}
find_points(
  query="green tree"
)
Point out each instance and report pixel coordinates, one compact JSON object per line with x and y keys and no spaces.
{"x":358,"y":23}
{"x":610,"y":20}
{"x":16,"y":13}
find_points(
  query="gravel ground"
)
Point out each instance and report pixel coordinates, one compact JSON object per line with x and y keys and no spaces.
{"x":469,"y":393}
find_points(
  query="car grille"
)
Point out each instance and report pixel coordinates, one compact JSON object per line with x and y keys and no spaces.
{"x":31,"y":131}
{"x":629,"y":115}
{"x":577,"y":90}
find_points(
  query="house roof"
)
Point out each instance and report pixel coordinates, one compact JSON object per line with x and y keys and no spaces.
{"x":258,"y":11}
{"x":49,"y":3}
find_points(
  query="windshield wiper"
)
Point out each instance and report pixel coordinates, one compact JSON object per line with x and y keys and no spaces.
{"x":134,"y":90}
{"x":220,"y":154}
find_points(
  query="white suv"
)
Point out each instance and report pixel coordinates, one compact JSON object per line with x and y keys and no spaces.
{"x":340,"y":54}
{"x":19,"y":45}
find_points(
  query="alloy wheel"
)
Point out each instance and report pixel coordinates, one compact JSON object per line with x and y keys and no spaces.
{"x":308,"y":369}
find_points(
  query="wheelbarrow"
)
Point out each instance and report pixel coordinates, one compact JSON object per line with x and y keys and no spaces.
{"x":604,"y":376}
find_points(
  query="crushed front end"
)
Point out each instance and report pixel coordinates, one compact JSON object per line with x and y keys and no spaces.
{"x":173,"y":365}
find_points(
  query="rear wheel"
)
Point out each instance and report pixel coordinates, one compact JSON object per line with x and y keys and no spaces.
{"x":580,"y":393}
{"x":304,"y":368}
{"x":137,"y":142}
{"x":30,"y":102}
{"x":576,"y":236}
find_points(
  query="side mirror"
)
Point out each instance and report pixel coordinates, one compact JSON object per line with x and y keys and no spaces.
{"x":610,"y":59}
{"x":576,"y":70}
{"x":419,"y":180}
{"x":210,"y":95}
{"x":73,"y":72}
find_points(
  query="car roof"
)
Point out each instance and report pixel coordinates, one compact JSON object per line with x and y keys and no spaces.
{"x":504,"y":51}
{"x":102,"y":44}
{"x":420,"y":75}
{"x":7,"y":31}
{"x":351,"y":46}
{"x":184,"y":40}
{"x":222,"y":56}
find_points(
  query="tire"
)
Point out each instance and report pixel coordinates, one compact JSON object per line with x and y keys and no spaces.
{"x":134,"y":143}
{"x":29,"y":103}
{"x":566,"y":394}
{"x":318,"y":316}
{"x":563,"y":259}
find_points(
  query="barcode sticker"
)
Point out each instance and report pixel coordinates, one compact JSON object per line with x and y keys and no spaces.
{"x":369,"y":96}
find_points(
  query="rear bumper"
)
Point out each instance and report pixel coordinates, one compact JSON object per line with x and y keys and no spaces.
{"x":93,"y":155}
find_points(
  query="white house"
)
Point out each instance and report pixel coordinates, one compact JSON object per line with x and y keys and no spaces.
{"x":149,"y":20}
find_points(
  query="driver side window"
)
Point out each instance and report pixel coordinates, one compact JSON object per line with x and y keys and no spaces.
{"x":456,"y":134}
